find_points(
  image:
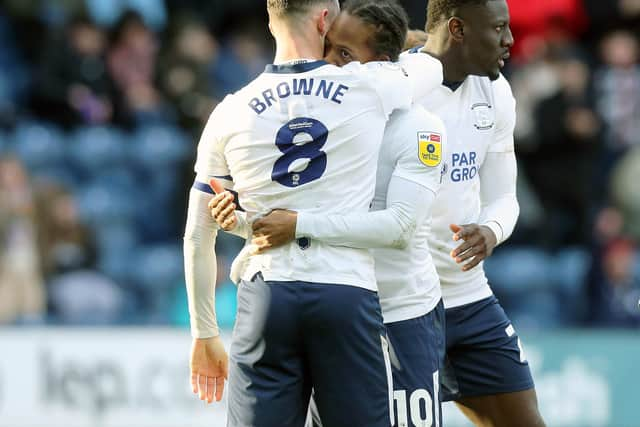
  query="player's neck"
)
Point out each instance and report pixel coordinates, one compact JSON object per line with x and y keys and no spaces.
{"x":300,"y":46}
{"x":452,"y":64}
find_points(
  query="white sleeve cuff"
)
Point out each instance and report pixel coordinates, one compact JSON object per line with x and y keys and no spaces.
{"x":497,"y":231}
{"x":304,"y":225}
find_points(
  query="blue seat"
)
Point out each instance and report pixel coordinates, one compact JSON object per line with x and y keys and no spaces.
{"x":106,"y":13}
{"x":117,"y":263}
{"x":39,"y":145}
{"x":538,"y":310}
{"x":86,"y":298}
{"x":158,"y":267}
{"x":57,"y":175}
{"x":95,"y":148}
{"x":158,"y":270}
{"x":519,"y":269}
{"x":123,"y":179}
{"x":6,"y":91}
{"x":4,"y":143}
{"x":116,"y":236}
{"x":570,"y":268}
{"x":636,"y":266}
{"x":99,"y":203}
{"x":157,"y":147}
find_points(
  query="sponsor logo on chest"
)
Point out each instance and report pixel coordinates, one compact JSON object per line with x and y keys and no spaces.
{"x":464,"y":166}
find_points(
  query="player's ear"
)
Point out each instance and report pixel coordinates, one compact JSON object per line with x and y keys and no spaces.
{"x":324,"y":22}
{"x":456,"y":28}
{"x":383,"y":58}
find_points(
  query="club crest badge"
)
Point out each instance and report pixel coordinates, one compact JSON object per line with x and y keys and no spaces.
{"x":483,"y":116}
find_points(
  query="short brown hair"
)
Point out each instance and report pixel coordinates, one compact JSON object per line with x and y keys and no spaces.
{"x":293,"y":7}
{"x":439,"y":11}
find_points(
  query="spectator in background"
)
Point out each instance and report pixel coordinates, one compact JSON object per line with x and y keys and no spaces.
{"x":66,"y":243}
{"x":185,"y":73}
{"x":566,"y":133}
{"x":606,"y":16}
{"x":617,"y":84}
{"x":625,"y":193}
{"x":22,"y":296}
{"x":242,"y":58}
{"x":615,"y":291}
{"x":74,"y":87}
{"x":132,"y":61}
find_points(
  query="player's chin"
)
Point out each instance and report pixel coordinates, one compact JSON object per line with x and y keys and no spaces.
{"x":494,"y":74}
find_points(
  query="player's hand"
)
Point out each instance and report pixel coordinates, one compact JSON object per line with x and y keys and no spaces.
{"x":479,"y":242}
{"x":223,"y":209}
{"x":209,"y":368}
{"x":276,"y":229}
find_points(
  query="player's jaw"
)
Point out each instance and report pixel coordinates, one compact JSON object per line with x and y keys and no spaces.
{"x":349,"y":39}
{"x":494,"y":73}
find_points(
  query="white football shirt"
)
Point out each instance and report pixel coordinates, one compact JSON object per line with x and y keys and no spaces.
{"x":413,"y":149}
{"x":479,"y":117}
{"x":305,"y":137}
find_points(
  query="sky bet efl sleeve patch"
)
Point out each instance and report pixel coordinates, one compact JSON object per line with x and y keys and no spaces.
{"x":430,"y":148}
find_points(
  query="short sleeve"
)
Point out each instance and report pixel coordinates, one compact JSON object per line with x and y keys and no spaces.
{"x":211,"y":161}
{"x":389,"y":80}
{"x":505,"y":117}
{"x":419,"y":137}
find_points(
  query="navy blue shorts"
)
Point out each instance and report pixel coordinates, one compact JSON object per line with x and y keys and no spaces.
{"x":417,"y":356}
{"x":292,"y":336}
{"x":484,"y":353}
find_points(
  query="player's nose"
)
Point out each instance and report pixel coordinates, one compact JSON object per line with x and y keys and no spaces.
{"x":508,"y":40}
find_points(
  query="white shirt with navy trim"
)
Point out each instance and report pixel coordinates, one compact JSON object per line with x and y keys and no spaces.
{"x":305,"y":137}
{"x":413,"y":149}
{"x":479,"y":116}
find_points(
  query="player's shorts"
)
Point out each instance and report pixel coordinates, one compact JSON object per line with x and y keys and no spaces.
{"x":417,"y":354}
{"x":484,"y":353}
{"x":416,"y":348}
{"x":292,"y":336}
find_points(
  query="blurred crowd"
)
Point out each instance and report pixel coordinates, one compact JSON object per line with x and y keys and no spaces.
{"x":102,"y":103}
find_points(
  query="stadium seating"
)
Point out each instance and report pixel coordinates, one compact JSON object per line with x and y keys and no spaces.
{"x":156,"y":269}
{"x":39,"y":145}
{"x":525,"y":281}
{"x":86,"y":298}
{"x":101,"y":203}
{"x":519,"y":269}
{"x":4,"y":142}
{"x":569,"y":272}
{"x":537,"y":310}
{"x":94,"y":149}
{"x":159,"y":146}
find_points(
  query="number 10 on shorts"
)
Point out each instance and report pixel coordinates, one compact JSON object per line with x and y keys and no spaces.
{"x":421,"y":409}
